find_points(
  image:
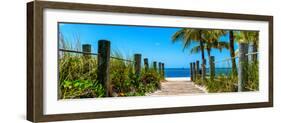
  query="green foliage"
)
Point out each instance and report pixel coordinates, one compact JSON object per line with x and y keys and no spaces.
{"x":229,"y":82}
{"x":222,"y":83}
{"x":78,"y":78}
{"x":253,"y":76}
{"x":75,"y":67}
{"x":126,"y":83}
{"x":198,"y":80}
{"x":150,"y":76}
{"x":81,"y":89}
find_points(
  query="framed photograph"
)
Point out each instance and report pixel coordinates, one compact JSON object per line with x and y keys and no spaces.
{"x":89,"y":61}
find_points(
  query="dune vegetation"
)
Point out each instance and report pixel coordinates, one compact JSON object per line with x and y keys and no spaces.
{"x":78,"y":76}
{"x":209,"y":39}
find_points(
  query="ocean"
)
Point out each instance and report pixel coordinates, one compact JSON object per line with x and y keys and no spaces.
{"x":185,"y":72}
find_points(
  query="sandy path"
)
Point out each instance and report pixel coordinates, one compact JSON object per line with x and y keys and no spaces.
{"x":178,"y":87}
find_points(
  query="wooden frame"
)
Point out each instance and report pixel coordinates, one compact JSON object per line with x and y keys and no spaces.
{"x":35,"y":60}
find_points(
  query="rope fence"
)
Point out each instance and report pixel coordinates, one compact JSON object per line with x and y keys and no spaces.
{"x":242,"y":63}
{"x":90,"y":53}
{"x":103,"y":62}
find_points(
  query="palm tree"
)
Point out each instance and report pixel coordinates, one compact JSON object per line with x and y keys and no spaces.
{"x":211,"y":39}
{"x":187,"y":36}
{"x":232,"y":52}
{"x":247,"y":37}
{"x":209,"y":46}
{"x":242,"y":37}
{"x":252,"y":37}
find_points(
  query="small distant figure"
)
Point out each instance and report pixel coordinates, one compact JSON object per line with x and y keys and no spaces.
{"x":200,"y":71}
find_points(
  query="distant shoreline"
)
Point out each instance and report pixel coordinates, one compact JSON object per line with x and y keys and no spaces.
{"x":185,"y":72}
{"x":177,"y":78}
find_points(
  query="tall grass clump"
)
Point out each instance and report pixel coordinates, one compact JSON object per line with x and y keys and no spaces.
{"x":78,"y":76}
{"x":253,"y":76}
{"x":222,"y":83}
{"x":228,"y":82}
{"x":125,"y":82}
{"x":77,"y":73}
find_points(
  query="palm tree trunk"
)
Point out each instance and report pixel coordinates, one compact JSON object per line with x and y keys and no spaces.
{"x":232,"y":52}
{"x":203,"y":57}
{"x":209,"y":55}
{"x":202,"y":50}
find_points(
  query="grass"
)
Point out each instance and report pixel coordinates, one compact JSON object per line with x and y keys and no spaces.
{"x":253,"y":76}
{"x":228,"y":82}
{"x":78,"y":77}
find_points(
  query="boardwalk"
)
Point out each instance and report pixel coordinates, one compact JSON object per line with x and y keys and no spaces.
{"x":178,"y":87}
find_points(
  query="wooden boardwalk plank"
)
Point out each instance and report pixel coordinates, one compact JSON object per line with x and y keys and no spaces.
{"x":177,"y":87}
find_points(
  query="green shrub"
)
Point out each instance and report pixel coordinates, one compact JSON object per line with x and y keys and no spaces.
{"x":222,"y":83}
{"x":229,"y":82}
{"x":81,"y":89}
{"x":78,"y":76}
{"x":150,"y":76}
{"x":253,"y":76}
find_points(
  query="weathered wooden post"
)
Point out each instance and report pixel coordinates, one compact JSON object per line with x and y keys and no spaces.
{"x":103,"y":64}
{"x":197,"y":68}
{"x":191,"y":71}
{"x":194,"y":71}
{"x":146,"y":66}
{"x":155,"y":66}
{"x":243,"y":66}
{"x":159,"y":68}
{"x":137,"y":58}
{"x":163,"y":70}
{"x":212,"y":68}
{"x":203,"y":70}
{"x":255,"y":50}
{"x":86,"y":48}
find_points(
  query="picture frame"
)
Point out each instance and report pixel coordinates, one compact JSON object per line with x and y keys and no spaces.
{"x":35,"y":60}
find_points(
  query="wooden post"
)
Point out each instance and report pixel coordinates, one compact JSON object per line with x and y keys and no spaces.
{"x":155,"y":66}
{"x":86,"y":48}
{"x":137,"y":58}
{"x":146,"y":66}
{"x":243,"y":66}
{"x":197,"y":68}
{"x":159,"y":68}
{"x":163,"y":70}
{"x":103,"y":64}
{"x":255,"y":49}
{"x":194,"y":71}
{"x":191,"y":71}
{"x":212,"y":68}
{"x":203,"y":70}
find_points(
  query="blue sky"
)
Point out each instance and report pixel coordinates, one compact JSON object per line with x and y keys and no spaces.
{"x":153,"y":43}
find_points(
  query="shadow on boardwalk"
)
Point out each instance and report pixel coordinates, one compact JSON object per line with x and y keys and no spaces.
{"x":178,"y":86}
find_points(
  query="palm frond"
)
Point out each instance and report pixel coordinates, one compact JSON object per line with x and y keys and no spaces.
{"x":195,"y":49}
{"x":186,"y":36}
{"x":222,"y":45}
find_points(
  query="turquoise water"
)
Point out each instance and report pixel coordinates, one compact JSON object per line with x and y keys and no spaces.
{"x":185,"y":72}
